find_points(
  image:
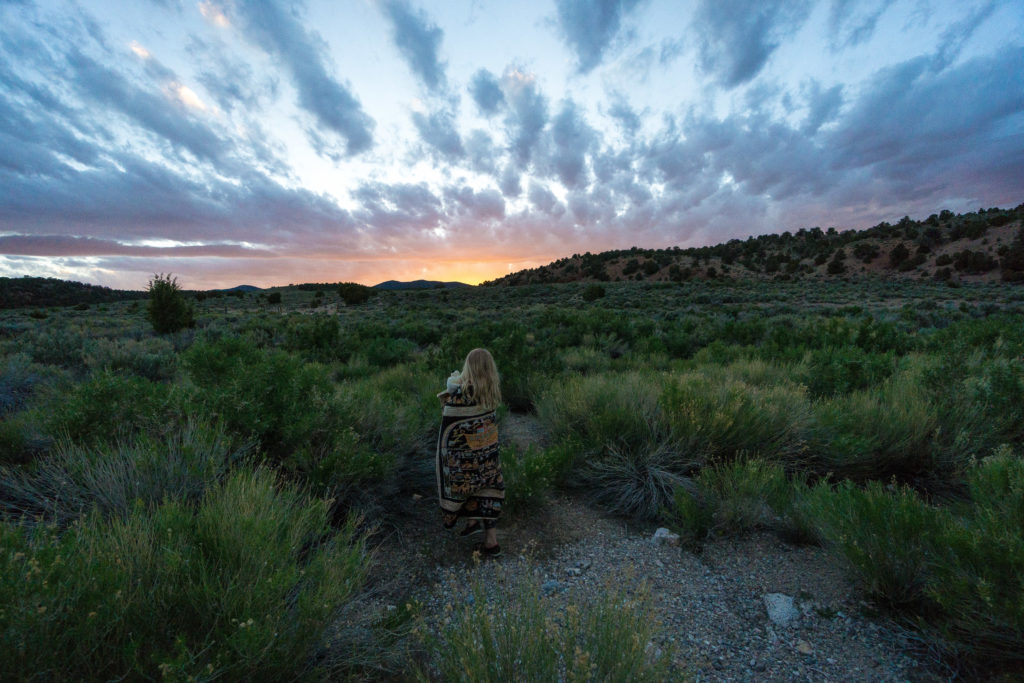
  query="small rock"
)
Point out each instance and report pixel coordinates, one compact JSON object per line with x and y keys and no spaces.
{"x":416,"y":496}
{"x":550,"y":587}
{"x":584,"y":565}
{"x":781,"y":609}
{"x":573,"y":571}
{"x":758,"y":666}
{"x":803,"y":647}
{"x":663,"y":536}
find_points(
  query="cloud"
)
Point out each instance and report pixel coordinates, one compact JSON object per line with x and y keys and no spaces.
{"x":418,"y":41}
{"x":484,"y":205}
{"x":543,"y":200}
{"x":231,"y":82}
{"x":572,"y":138}
{"x":952,"y":40}
{"x":509,"y":182}
{"x":65,"y":245}
{"x":481,"y":152}
{"x":486,"y":92}
{"x":332,"y":103}
{"x":396,"y":211}
{"x":623,"y":114}
{"x":737,"y":37}
{"x":822,"y":106}
{"x":527,"y":115}
{"x":903,"y":128}
{"x":589,"y":27}
{"x":852,"y":22}
{"x":437,"y":130}
{"x":108,"y":88}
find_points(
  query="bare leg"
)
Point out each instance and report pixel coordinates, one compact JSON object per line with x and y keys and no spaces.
{"x":490,"y":538}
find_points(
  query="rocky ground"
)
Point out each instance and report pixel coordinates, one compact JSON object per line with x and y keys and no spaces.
{"x":745,"y":609}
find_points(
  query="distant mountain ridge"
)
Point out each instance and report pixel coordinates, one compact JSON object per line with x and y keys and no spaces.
{"x":418,"y":284}
{"x":984,"y":245}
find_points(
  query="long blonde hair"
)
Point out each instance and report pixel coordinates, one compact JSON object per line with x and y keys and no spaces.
{"x":480,"y":379}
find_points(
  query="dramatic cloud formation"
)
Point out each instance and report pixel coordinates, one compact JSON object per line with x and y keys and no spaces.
{"x":418,"y":40}
{"x":589,"y":26}
{"x":738,"y":36}
{"x":267,"y":142}
{"x":270,"y":26}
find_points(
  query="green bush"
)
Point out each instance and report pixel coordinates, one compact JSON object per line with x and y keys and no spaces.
{"x":879,"y":434}
{"x":354,"y":294}
{"x":282,"y":402}
{"x":613,"y":410}
{"x":108,"y":406}
{"x":714,"y":418}
{"x":884,"y":532}
{"x":506,"y":634}
{"x":528,"y":478}
{"x":168,"y":310}
{"x":153,"y":358}
{"x":593,"y":292}
{"x":242,"y":586}
{"x":977,"y":577}
{"x":833,"y":371}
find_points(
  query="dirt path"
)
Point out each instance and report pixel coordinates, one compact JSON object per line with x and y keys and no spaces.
{"x":710,"y":606}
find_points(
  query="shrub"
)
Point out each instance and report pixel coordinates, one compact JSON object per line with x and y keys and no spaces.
{"x":17,"y":382}
{"x":833,"y":371}
{"x":507,"y":634}
{"x":152,"y":358}
{"x":883,"y":532}
{"x":108,"y":406}
{"x":715,"y":418}
{"x":354,"y":294}
{"x":878,"y":434}
{"x":111,"y":479}
{"x":608,"y":410}
{"x":271,"y":396}
{"x":240,"y":587}
{"x":528,"y":478}
{"x":274,"y":298}
{"x":315,"y":335}
{"x":168,"y":310}
{"x":898,"y":255}
{"x":593,"y":292}
{"x":55,"y":345}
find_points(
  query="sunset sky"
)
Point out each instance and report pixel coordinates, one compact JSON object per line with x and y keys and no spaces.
{"x":268,"y":142}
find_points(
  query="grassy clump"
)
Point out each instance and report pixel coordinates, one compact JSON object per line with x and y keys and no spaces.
{"x":240,"y":586}
{"x":507,"y":634}
{"x":114,"y":478}
{"x":879,"y":434}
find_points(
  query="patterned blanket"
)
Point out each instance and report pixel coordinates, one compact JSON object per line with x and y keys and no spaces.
{"x":469,"y":483}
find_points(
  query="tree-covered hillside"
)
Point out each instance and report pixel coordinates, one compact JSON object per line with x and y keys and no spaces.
{"x":21,"y":292}
{"x":983,"y":245}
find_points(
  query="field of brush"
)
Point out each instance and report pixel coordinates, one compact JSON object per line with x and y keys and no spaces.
{"x":189,"y":504}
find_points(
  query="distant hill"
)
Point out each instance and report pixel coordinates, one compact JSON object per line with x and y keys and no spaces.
{"x":984,"y":245}
{"x":242,"y":288}
{"x":21,"y":292}
{"x":419,"y":284}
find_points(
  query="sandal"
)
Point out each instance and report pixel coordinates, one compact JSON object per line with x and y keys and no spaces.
{"x":471,"y":529}
{"x":492,"y":551}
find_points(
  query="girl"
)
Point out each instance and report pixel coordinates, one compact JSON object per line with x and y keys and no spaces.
{"x":469,"y":483}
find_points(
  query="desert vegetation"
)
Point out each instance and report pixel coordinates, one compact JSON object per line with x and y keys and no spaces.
{"x":196,"y":501}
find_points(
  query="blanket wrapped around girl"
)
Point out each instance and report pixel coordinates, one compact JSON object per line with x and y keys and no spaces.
{"x":469,"y":482}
